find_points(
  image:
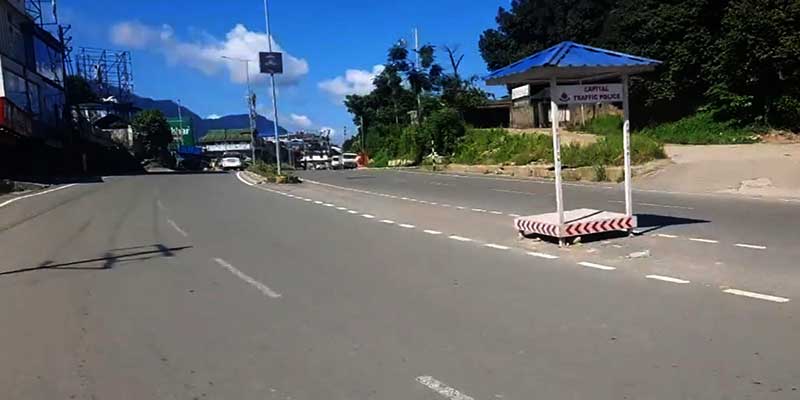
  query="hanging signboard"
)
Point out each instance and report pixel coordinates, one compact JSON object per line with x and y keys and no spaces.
{"x":595,"y":93}
{"x":520,"y":92}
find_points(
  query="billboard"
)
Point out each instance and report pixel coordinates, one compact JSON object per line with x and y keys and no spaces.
{"x":182,"y":132}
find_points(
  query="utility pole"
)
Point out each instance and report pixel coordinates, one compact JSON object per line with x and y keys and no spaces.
{"x":180,"y":120}
{"x":251,"y":104}
{"x":274,"y":98}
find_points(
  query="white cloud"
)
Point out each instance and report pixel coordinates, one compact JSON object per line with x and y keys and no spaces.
{"x":213,"y":116}
{"x":328,"y":128}
{"x":301,"y":121}
{"x":206,"y":54}
{"x":354,"y":81}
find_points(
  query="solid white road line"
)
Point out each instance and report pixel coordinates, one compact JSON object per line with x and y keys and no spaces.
{"x":542,"y":255}
{"x":666,"y":279}
{"x":431,"y":232}
{"x":387,"y":221}
{"x":239,"y":176}
{"x":177,"y":228}
{"x":664,"y":235}
{"x":352,"y":212}
{"x":597,"y":266}
{"x":368,"y":216}
{"x":407,"y":226}
{"x":497,"y":246}
{"x":442,"y":389}
{"x":258,"y":285}
{"x":27,"y":196}
{"x":751,"y":246}
{"x":460,"y":238}
{"x":703,"y":240}
{"x":759,"y":296}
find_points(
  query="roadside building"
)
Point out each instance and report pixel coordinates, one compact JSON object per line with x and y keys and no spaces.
{"x":219,"y":141}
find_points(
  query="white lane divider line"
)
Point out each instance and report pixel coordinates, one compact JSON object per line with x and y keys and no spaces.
{"x":667,"y":279}
{"x":496,"y":212}
{"x":177,"y":228}
{"x":368,"y":216}
{"x":461,"y":208}
{"x":460,"y":238}
{"x":341,"y":208}
{"x":352,"y":212}
{"x":407,"y":226}
{"x":239,"y":176}
{"x":432,"y":232}
{"x":542,"y":255}
{"x":264,"y":289}
{"x":701,"y":240}
{"x":433,"y":203}
{"x":387,"y":221}
{"x":751,"y":246}
{"x":478,"y":210}
{"x":596,"y":266}
{"x":446,"y":205}
{"x":317,"y":202}
{"x":308,"y":200}
{"x":759,"y":296}
{"x":514,"y":215}
{"x":27,"y":196}
{"x":664,"y":235}
{"x":328,"y":205}
{"x":404,"y":198}
{"x":442,"y":389}
{"x":496,"y":246}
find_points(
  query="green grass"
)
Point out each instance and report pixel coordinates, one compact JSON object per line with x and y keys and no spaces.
{"x":700,"y":128}
{"x":495,"y":146}
{"x":604,"y":125}
{"x":270,"y":173}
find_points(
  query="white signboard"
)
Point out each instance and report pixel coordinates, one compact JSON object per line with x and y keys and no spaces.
{"x":521,"y":91}
{"x":596,"y":93}
{"x":228,"y":147}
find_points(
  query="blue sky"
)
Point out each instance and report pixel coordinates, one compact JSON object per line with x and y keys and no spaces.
{"x":177,"y":46}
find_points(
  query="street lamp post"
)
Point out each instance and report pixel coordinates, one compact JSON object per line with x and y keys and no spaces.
{"x":274,"y":98}
{"x":250,"y":105}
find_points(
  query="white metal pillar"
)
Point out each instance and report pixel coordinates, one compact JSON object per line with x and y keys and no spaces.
{"x":556,"y":155}
{"x":626,"y":143}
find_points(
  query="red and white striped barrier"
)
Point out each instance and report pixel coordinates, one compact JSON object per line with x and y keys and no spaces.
{"x":581,"y":222}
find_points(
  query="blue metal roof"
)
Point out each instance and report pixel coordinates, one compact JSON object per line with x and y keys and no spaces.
{"x":574,"y":55}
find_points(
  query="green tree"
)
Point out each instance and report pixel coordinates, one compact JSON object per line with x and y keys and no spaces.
{"x":152,"y":135}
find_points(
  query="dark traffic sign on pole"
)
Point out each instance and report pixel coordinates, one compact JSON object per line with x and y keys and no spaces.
{"x":270,"y":62}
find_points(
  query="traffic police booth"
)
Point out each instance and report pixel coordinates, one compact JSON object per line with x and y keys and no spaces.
{"x":578,"y":74}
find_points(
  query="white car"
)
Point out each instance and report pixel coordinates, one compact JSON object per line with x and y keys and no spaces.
{"x":231,"y":161}
{"x":350,"y":160}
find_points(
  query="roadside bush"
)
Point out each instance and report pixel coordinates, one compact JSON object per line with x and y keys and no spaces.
{"x":444,"y":128}
{"x":700,"y":128}
{"x":270,"y":173}
{"x":604,"y":125}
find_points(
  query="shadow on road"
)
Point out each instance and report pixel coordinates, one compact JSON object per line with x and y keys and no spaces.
{"x":650,"y":222}
{"x":109,"y":259}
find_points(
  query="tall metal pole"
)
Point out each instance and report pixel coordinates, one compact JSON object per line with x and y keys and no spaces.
{"x":626,"y":143}
{"x":180,"y":121}
{"x":557,"y":158}
{"x":419,"y":95}
{"x":274,"y":98}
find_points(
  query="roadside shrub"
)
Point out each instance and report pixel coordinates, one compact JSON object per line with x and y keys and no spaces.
{"x":700,"y":128}
{"x":600,"y":174}
{"x":270,"y":173}
{"x":604,"y":125}
{"x":444,"y":128}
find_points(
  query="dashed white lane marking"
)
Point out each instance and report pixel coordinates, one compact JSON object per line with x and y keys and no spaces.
{"x":442,"y":389}
{"x":433,"y":203}
{"x":404,"y":198}
{"x":701,"y":240}
{"x":160,"y":205}
{"x":751,"y":246}
{"x":664,"y":235}
{"x":177,"y":228}
{"x":478,"y":210}
{"x":496,"y":246}
{"x":496,"y":212}
{"x":352,"y":212}
{"x":461,"y":208}
{"x":368,"y":216}
{"x":542,"y":255}
{"x":460,"y":238}
{"x":654,"y":205}
{"x":596,"y":266}
{"x":341,"y":208}
{"x":309,"y":200}
{"x":387,"y":221}
{"x":514,"y":192}
{"x":317,"y":202}
{"x":514,"y":215}
{"x":754,"y":295}
{"x":432,"y":232}
{"x":666,"y":279}
{"x":328,"y":205}
{"x":239,"y":176}
{"x":446,"y":205}
{"x":27,"y":196}
{"x":264,"y":289}
{"x":407,"y":226}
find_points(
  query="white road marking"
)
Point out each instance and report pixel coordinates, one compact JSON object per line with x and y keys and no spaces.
{"x":759,"y":296}
{"x":317,"y":202}
{"x":496,"y":212}
{"x":446,"y":205}
{"x":664,"y":235}
{"x":27,"y":196}
{"x":751,"y":246}
{"x":666,"y":279}
{"x":368,"y":216}
{"x":387,"y":221}
{"x":433,"y":203}
{"x":513,"y":191}
{"x":654,"y":205}
{"x":352,"y":212}
{"x":514,"y":215}
{"x":177,"y":228}
{"x":432,"y":232}
{"x":160,"y":205}
{"x":404,"y":198}
{"x":341,"y":208}
{"x":461,"y":207}
{"x":239,"y":176}
{"x":478,"y":210}
{"x":596,"y":266}
{"x":309,"y":200}
{"x":460,"y":238}
{"x":496,"y":246}
{"x":407,"y":226}
{"x":442,"y":389}
{"x":328,"y":205}
{"x":414,"y":200}
{"x":542,"y":255}
{"x":703,"y":240}
{"x":258,"y":285}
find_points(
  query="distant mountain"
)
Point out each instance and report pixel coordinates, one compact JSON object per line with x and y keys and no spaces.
{"x":264,"y":126}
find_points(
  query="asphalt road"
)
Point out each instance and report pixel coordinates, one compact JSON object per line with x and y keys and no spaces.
{"x":206,"y":286}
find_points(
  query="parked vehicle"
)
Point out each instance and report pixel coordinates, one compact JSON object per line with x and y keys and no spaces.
{"x":231,"y":161}
{"x":350,"y":160}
